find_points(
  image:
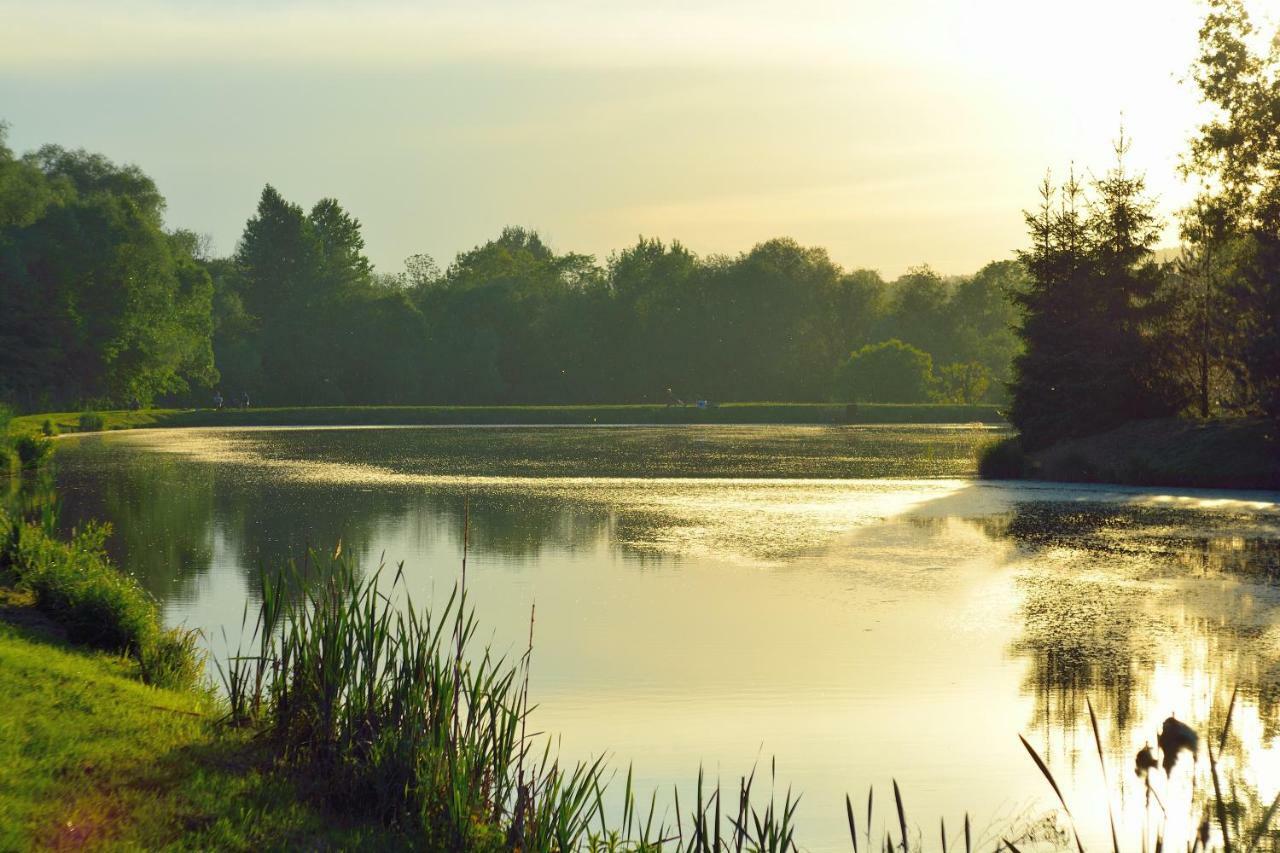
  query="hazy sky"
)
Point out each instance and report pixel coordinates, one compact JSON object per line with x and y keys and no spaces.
{"x":892,"y":132}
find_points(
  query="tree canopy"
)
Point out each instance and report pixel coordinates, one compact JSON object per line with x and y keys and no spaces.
{"x":103,"y":305}
{"x":97,"y":302}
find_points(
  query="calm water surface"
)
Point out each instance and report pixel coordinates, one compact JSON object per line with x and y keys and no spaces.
{"x":846,"y":599}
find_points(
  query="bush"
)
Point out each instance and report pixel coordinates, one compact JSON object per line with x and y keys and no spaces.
{"x":92,"y":422}
{"x":1003,"y":460}
{"x":33,"y":450}
{"x":75,"y":583}
{"x":173,"y":660}
{"x":887,"y":372}
{"x":48,"y":429}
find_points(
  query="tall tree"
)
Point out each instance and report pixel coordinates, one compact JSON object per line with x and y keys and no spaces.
{"x":97,"y":303}
{"x":1091,"y":307}
{"x":1235,"y":225}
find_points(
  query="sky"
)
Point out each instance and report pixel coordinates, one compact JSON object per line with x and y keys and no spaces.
{"x":891,"y":132}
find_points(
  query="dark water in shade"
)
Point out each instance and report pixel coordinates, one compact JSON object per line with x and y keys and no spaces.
{"x":848,"y":600}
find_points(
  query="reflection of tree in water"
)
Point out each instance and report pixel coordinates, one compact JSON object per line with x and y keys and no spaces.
{"x":174,"y":518}
{"x":1115,"y":587}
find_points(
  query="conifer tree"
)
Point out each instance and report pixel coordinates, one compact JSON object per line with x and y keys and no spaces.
{"x":1095,"y":301}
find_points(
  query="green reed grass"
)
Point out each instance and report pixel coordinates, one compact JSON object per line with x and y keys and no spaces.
{"x":397,"y":712}
{"x":404,"y":717}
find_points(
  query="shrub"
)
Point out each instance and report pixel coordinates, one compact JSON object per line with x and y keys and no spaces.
{"x":91,"y":422}
{"x":173,"y":659}
{"x":33,"y":450}
{"x":48,"y":429}
{"x":1003,"y":460}
{"x":887,"y":372}
{"x":77,"y":586}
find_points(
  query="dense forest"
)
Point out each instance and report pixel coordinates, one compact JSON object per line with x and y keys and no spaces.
{"x":101,"y":305}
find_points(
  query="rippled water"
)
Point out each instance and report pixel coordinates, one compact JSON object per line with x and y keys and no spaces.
{"x":846,"y":599}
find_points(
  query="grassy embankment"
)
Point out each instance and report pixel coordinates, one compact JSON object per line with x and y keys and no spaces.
{"x":108,"y":737}
{"x":1229,"y":454}
{"x":728,"y":413}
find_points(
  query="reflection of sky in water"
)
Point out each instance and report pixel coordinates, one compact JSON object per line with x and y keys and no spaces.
{"x":845,"y":599}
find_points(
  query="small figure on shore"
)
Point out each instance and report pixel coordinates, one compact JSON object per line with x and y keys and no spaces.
{"x":217,"y":399}
{"x":244,"y":399}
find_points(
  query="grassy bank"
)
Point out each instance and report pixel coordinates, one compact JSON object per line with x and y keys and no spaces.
{"x":1230,"y":454}
{"x":728,"y":413}
{"x":91,"y":757}
{"x":109,"y":736}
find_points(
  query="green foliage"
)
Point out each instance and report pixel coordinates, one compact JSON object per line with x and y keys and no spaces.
{"x":101,"y":304}
{"x":48,"y":429}
{"x":32,"y":451}
{"x":91,"y":422}
{"x":75,"y":583}
{"x":887,"y":372}
{"x":98,"y":302}
{"x":401,"y":718}
{"x":1234,"y":226}
{"x":1003,"y":459}
{"x":962,"y":383}
{"x":1091,"y":307}
{"x":173,"y":660}
{"x":98,"y":758}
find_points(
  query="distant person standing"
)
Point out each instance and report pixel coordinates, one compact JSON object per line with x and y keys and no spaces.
{"x":244,"y":399}
{"x":217,"y":399}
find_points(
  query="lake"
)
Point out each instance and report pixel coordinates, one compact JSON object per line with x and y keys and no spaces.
{"x":847,"y":600}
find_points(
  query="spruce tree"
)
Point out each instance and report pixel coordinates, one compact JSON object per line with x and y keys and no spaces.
{"x":1091,"y":359}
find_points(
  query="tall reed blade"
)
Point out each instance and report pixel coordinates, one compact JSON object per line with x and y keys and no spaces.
{"x":902,"y":815}
{"x":1044,"y":769}
{"x":1106,"y":785}
{"x":853,"y":825}
{"x":1226,"y":724}
{"x":1219,"y":805}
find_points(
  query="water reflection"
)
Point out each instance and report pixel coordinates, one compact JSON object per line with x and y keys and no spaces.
{"x":843,"y":598}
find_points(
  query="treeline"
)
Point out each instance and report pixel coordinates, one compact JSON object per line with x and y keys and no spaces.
{"x":99,"y":305}
{"x":1111,"y":335}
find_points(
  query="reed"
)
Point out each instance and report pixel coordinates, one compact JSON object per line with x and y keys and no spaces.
{"x":1175,"y":738}
{"x":400,"y":715}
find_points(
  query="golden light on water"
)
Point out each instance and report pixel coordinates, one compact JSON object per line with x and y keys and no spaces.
{"x":859,"y":629}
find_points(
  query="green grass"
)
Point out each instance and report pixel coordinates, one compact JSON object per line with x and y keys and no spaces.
{"x":728,"y":413}
{"x":90,"y":756}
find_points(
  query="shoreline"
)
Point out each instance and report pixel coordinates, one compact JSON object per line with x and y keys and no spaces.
{"x":1226,"y":454}
{"x":814,"y":414}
